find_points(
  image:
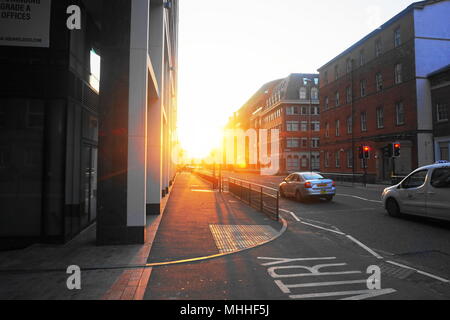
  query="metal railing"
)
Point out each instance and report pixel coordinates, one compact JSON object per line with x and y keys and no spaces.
{"x":259,"y":197}
{"x":208,"y":177}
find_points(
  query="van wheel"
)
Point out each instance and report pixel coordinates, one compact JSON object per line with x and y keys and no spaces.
{"x":392,"y":208}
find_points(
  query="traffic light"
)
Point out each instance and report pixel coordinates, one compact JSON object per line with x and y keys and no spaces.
{"x":388,"y":151}
{"x":396,"y":150}
{"x":366,"y":150}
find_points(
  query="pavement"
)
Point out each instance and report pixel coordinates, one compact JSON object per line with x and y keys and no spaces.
{"x":197,"y":223}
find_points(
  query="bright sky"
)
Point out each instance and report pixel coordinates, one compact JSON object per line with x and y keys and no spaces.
{"x":230,"y":48}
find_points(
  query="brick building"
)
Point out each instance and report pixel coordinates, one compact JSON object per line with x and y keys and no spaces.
{"x":440,"y":97}
{"x":290,"y":105}
{"x":376,"y":93}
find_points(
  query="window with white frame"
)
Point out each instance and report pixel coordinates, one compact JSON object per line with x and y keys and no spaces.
{"x":399,"y":113}
{"x":293,"y":142}
{"x":362,"y":58}
{"x":327,"y":103}
{"x":397,"y":37}
{"x":338,"y":128}
{"x":350,"y":125}
{"x":315,"y":126}
{"x":349,"y":158}
{"x":304,"y":111}
{"x":327,"y":160}
{"x":348,"y":94}
{"x":363,"y":85}
{"x":316,"y":111}
{"x":304,"y":142}
{"x":315,"y":143}
{"x":292,"y":126}
{"x":304,"y":162}
{"x":338,"y":100}
{"x":303,"y":93}
{"x":379,"y":82}
{"x":327,"y":130}
{"x":314,"y":94}
{"x":378,"y":47}
{"x":380,"y":117}
{"x":398,"y":73}
{"x":293,"y":162}
{"x":304,"y":126}
{"x":349,"y":65}
{"x":336,"y":72}
{"x":363,"y":121}
{"x":442,"y":112}
{"x":338,"y":159}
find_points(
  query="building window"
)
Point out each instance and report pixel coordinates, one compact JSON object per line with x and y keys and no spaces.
{"x":327,"y":103}
{"x":362,"y":59}
{"x":363,"y":85}
{"x":325,"y":76}
{"x":316,"y":111}
{"x":94,"y":77}
{"x":315,"y":126}
{"x":316,"y":81}
{"x":315,"y":143}
{"x":338,"y":128}
{"x":35,"y":114}
{"x":348,"y":94}
{"x":400,"y":114}
{"x":397,"y":37}
{"x":363,"y":121}
{"x":304,"y":142}
{"x":350,"y":159}
{"x":338,"y":102}
{"x":378,"y":48}
{"x":293,"y":143}
{"x":293,"y":163}
{"x":338,"y":159}
{"x":327,"y":159}
{"x":327,"y":130}
{"x":380,"y":118}
{"x":292,"y":126}
{"x":442,"y":112}
{"x":304,"y":111}
{"x":304,"y":126}
{"x":444,"y":150}
{"x":350,"y":125}
{"x":398,"y":74}
{"x":290,"y":111}
{"x":349,"y":65}
{"x":314,"y":94}
{"x":379,"y":82}
{"x":336,"y":72}
{"x":302,"y":93}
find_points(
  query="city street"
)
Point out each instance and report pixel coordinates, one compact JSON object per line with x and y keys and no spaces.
{"x":325,"y":253}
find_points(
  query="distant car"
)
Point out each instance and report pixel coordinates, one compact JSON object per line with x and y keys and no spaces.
{"x":425,"y":192}
{"x":302,"y":185}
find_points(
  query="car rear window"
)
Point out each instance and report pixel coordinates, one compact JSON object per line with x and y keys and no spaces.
{"x":312,"y":176}
{"x":441,"y":178}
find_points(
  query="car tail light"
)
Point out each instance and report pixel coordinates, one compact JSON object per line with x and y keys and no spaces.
{"x":308,"y":185}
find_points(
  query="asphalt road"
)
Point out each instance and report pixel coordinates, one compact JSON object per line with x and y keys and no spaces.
{"x":326,"y":253}
{"x":357,"y":211}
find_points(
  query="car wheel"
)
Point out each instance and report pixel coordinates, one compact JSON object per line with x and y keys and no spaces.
{"x":329,"y":198}
{"x":298,"y":196}
{"x":392,"y":208}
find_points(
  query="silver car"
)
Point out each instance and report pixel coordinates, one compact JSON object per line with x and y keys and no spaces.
{"x":303,"y":185}
{"x":425,"y":192}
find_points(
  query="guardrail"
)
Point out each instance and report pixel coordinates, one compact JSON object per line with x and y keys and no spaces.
{"x":259,"y":197}
{"x":208,"y":177}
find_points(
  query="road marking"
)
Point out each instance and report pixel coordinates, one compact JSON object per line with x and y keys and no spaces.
{"x":376,"y":255}
{"x":419,"y":271}
{"x":360,"y":198}
{"x":310,"y":224}
{"x":357,"y":294}
{"x":286,"y":264}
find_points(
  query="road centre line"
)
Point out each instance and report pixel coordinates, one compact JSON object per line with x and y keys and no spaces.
{"x":419,"y":271}
{"x":376,"y":255}
{"x":360,"y":198}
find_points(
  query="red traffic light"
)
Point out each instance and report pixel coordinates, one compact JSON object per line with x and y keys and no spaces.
{"x":366,"y":148}
{"x":397,"y":145}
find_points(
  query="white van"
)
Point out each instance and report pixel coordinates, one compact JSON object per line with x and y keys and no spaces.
{"x":425,"y":192}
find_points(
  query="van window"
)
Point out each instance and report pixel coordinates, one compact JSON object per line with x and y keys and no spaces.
{"x":441,"y":178}
{"x":415,"y":180}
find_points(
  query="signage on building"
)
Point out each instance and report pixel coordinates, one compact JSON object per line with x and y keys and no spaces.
{"x":25,"y":23}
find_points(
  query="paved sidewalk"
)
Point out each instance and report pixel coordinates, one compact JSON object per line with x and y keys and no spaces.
{"x":197,"y":222}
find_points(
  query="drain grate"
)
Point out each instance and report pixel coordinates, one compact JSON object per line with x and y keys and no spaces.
{"x":230,"y":238}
